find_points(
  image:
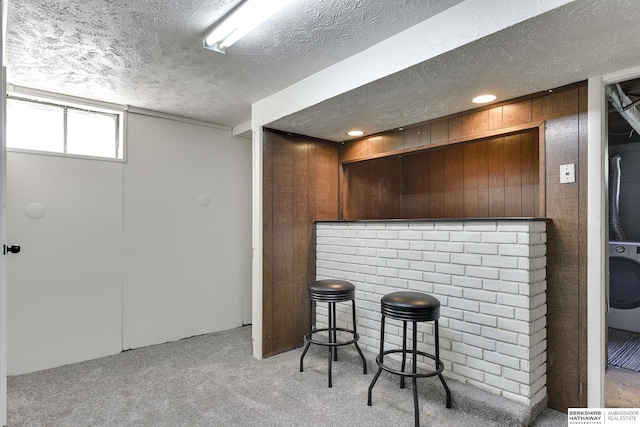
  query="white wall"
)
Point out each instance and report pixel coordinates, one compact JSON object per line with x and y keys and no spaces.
{"x":186,"y":265}
{"x":128,"y":254}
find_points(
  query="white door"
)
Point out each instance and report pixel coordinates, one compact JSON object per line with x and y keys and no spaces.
{"x":65,"y":286}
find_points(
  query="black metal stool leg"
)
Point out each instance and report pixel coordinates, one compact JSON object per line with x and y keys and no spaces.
{"x":416,"y":407}
{"x":331,"y":333}
{"x":446,"y":389}
{"x":380,"y":362}
{"x":335,"y":333}
{"x":364,"y":362}
{"x":308,"y":336}
{"x":444,"y":384}
{"x":373,"y":382}
{"x":306,"y":347}
{"x":404,"y":351}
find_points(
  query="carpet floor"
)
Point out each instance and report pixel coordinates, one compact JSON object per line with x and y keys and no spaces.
{"x":624,"y":349}
{"x":213,"y":380}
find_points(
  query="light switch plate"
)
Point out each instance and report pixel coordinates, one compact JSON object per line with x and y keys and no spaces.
{"x":567,"y":173}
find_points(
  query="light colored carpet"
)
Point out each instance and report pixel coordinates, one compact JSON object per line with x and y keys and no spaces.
{"x":213,"y":380}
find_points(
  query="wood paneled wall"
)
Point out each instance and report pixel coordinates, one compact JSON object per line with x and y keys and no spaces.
{"x":497,"y":177}
{"x":564,"y":114}
{"x":300,"y":186}
{"x":373,"y":189}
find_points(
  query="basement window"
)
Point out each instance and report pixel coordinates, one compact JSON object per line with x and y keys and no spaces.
{"x":52,"y":126}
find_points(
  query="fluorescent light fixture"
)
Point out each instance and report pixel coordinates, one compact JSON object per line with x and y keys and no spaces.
{"x":483,"y":99}
{"x":355,"y":133}
{"x":247,"y":15}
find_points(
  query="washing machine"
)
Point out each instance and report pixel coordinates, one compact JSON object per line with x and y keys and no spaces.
{"x":624,"y":285}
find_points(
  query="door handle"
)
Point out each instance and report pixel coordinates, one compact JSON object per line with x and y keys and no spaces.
{"x":14,"y":249}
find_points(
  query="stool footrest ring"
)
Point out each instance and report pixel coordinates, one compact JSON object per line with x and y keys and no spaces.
{"x":309,"y":337}
{"x":438,"y":371}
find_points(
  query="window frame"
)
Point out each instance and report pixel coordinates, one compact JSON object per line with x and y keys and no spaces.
{"x":78,"y":104}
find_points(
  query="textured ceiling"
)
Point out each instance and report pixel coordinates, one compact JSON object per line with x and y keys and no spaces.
{"x":148,"y":54}
{"x":570,"y":44}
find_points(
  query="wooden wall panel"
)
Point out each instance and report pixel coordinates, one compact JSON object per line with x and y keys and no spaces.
{"x":517,"y":114}
{"x":302,"y":229}
{"x":440,"y":131}
{"x":282,"y":323}
{"x":356,"y":179}
{"x":475,"y":123}
{"x":375,"y":189}
{"x":512,"y":176}
{"x":267,"y":243}
{"x":455,"y":128}
{"x":300,"y":186}
{"x":453,"y":178}
{"x":392,"y":141}
{"x":414,"y":187}
{"x":323,"y":187}
{"x":471,"y":182}
{"x":530,"y":175}
{"x":375,"y":145}
{"x":495,"y":119}
{"x":392,"y":187}
{"x":323,"y":181}
{"x":436,"y":184}
{"x":483,"y":180}
{"x":416,"y":136}
{"x":496,"y":177}
{"x":565,"y":351}
{"x":360,"y":150}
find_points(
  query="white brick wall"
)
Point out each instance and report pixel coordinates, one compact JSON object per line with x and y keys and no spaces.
{"x":489,"y":276}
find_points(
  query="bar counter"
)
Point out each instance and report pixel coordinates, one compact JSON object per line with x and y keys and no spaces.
{"x":488,"y":273}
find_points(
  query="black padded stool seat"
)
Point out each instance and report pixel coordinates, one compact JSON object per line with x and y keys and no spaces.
{"x":410,"y":307}
{"x":331,"y":291}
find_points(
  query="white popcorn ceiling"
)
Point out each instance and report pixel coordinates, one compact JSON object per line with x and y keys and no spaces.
{"x":148,"y":54}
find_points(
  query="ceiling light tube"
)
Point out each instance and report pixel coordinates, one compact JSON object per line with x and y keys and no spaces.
{"x":247,"y":15}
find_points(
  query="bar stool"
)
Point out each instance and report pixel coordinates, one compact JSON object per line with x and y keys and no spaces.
{"x":410,"y":307}
{"x":332,"y":291}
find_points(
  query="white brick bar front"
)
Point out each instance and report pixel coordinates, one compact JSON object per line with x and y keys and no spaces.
{"x":490,"y":278}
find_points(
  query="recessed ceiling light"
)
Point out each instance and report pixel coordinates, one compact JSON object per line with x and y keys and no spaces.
{"x":355,"y":133}
{"x":483,"y":99}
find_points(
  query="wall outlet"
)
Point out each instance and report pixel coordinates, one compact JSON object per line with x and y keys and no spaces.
{"x":567,"y":173}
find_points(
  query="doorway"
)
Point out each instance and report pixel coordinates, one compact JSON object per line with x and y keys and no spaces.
{"x":622,"y":375}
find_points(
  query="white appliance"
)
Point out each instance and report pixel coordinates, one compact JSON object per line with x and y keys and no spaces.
{"x":624,"y":285}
